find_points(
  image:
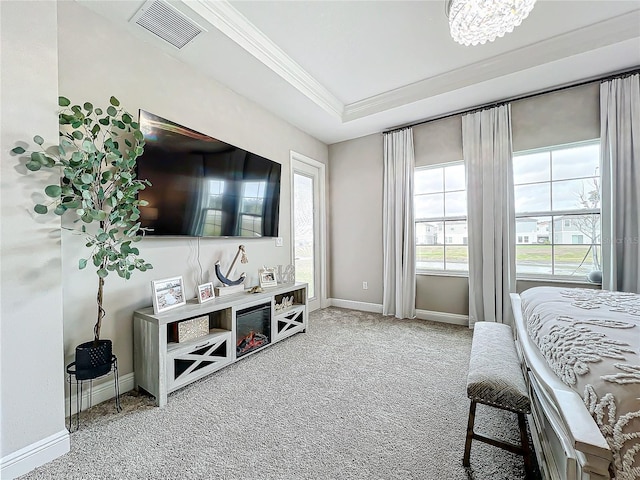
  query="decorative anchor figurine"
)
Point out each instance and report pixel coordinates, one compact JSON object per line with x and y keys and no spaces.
{"x":223,"y":278}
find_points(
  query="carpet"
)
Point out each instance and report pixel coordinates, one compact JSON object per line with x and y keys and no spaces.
{"x":359,"y":396}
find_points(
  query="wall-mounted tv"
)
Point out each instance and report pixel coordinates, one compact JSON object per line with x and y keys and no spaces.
{"x":202,"y":187}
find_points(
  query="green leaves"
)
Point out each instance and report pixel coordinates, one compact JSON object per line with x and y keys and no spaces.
{"x":41,"y":209}
{"x":33,"y":166}
{"x":53,"y":191}
{"x":98,"y":181}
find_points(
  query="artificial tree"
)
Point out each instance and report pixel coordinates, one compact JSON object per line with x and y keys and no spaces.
{"x":96,"y":157}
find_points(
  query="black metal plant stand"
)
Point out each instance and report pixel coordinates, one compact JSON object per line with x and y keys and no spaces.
{"x":72,"y":377}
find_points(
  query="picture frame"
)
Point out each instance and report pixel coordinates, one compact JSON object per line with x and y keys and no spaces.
{"x":267,"y":277}
{"x":168,"y":294}
{"x":205,"y":292}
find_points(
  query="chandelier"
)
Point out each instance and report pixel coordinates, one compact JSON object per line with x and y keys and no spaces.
{"x":477,"y":21}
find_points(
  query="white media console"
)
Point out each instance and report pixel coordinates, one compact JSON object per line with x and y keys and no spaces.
{"x":163,"y":365}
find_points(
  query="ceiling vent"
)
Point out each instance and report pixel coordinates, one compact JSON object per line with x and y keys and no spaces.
{"x":168,"y":23}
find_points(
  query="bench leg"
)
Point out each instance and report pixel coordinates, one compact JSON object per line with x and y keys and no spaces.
{"x":467,"y":445}
{"x":526,"y":451}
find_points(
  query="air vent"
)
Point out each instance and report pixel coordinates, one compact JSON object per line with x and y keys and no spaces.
{"x":167,"y":22}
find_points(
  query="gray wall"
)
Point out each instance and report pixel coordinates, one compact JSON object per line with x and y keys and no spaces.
{"x":32,"y":398}
{"x":355,"y":185}
{"x":355,"y":219}
{"x":142,"y":76}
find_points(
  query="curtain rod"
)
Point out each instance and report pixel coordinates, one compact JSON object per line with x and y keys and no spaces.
{"x":621,"y":74}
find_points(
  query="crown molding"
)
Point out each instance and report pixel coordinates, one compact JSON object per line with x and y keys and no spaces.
{"x":229,"y":21}
{"x":602,"y":34}
{"x":238,"y":28}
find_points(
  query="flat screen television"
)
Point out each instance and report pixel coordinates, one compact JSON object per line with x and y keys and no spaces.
{"x":202,"y":187}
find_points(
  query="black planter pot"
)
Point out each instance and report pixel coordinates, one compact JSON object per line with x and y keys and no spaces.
{"x":93,"y":360}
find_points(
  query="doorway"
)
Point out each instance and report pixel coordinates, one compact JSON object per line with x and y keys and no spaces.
{"x":308,"y":226}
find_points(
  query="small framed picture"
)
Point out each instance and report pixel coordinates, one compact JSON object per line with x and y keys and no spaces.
{"x":205,"y":292}
{"x":167,"y":294}
{"x":267,"y":277}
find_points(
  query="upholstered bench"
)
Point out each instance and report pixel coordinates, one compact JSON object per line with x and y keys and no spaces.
{"x":495,"y":379}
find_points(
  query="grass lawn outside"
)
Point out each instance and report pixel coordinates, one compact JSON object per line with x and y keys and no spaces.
{"x":536,"y":258}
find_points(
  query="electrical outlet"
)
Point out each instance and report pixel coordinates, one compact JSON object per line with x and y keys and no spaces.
{"x":365,"y":286}
{"x":279,"y":241}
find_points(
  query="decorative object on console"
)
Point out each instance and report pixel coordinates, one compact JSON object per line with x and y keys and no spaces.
{"x":286,"y":302}
{"x":167,"y":294}
{"x":205,"y":292}
{"x":100,"y":187}
{"x":231,"y":286}
{"x":256,"y":289}
{"x":477,"y":21}
{"x":267,"y":277}
{"x":285,"y":274}
{"x":193,"y":328}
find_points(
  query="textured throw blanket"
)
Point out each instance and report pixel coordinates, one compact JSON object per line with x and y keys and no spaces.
{"x":591,"y":340}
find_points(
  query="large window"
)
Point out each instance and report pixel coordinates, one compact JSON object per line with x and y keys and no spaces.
{"x":557,"y":205}
{"x":440,"y":210}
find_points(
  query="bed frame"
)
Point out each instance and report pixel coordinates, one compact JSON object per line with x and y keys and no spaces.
{"x":568,"y":443}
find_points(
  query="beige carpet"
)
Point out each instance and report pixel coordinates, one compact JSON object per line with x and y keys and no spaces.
{"x":359,"y":396}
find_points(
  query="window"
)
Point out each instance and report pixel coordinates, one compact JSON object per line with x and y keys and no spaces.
{"x":557,"y":205}
{"x":440,"y":205}
{"x":251,"y":206}
{"x":213,"y":211}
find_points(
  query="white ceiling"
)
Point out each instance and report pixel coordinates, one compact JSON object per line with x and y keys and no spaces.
{"x":343,"y":69}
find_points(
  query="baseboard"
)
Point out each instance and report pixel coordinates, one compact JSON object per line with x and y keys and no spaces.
{"x":443,"y":317}
{"x":353,"y":305}
{"x":34,"y":455}
{"x":101,"y":392}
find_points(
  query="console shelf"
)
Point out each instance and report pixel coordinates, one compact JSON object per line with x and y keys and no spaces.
{"x":163,"y":366}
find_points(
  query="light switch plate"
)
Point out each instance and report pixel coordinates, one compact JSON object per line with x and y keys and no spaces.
{"x":279,"y":241}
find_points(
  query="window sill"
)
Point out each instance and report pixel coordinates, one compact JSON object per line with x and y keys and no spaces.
{"x":550,"y":279}
{"x":441,"y":273}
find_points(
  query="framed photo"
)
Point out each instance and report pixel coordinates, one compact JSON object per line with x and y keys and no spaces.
{"x":267,"y":277}
{"x":167,"y":294}
{"x":205,"y":292}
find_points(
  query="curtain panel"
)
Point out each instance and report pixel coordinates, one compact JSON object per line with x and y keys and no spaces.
{"x":620,"y":157}
{"x":487,"y":149}
{"x":399,"y":268}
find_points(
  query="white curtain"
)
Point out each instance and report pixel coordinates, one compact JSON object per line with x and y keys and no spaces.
{"x":620,"y":146}
{"x":486,"y":143}
{"x":399,"y":269}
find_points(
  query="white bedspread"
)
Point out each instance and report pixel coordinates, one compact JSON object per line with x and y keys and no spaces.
{"x":591,"y":340}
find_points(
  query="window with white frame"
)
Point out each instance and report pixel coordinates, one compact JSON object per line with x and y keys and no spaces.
{"x":557,"y":205}
{"x":440,"y":212}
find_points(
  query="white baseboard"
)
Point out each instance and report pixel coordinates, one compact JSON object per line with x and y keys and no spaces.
{"x":441,"y":317}
{"x":353,"y":305}
{"x":101,"y":392}
{"x":34,"y":455}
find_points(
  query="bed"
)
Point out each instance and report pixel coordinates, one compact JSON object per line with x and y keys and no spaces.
{"x":581,"y":357}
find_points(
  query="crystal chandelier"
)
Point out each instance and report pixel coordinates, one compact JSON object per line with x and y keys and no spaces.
{"x":477,"y":21}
